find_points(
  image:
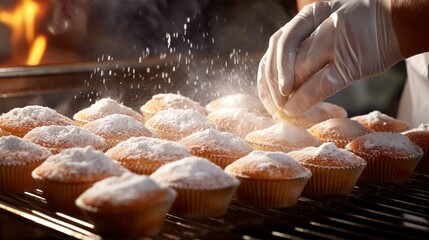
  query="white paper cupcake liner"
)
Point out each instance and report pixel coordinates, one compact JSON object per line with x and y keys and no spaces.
{"x":333,"y":180}
{"x":61,"y":196}
{"x":198,"y":203}
{"x":270,"y":193}
{"x":391,"y":170}
{"x":128,"y":223}
{"x":17,"y":178}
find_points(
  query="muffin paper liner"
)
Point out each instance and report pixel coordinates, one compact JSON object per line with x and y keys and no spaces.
{"x":390,"y":170}
{"x":270,"y":193}
{"x":123,"y":223}
{"x":198,"y":203}
{"x":17,"y":178}
{"x":61,"y":196}
{"x":332,"y":180}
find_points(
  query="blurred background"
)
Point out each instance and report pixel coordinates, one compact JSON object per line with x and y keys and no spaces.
{"x":67,"y":53}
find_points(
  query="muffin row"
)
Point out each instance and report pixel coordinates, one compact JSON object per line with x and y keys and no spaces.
{"x":288,"y":159}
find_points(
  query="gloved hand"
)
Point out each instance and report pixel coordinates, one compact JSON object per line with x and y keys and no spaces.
{"x":322,"y":50}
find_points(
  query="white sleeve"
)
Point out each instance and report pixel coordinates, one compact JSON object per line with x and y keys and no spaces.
{"x":414,"y":105}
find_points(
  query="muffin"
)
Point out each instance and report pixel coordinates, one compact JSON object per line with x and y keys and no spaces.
{"x":239,"y":121}
{"x":63,"y":177}
{"x":420,"y":136}
{"x":144,"y":155}
{"x":221,"y":148}
{"x":282,"y":137}
{"x":102,"y":108}
{"x":335,"y":171}
{"x":390,"y":157}
{"x":175,"y":124}
{"x":58,"y":138}
{"x":18,"y":158}
{"x":116,"y":128}
{"x":19,"y":121}
{"x":380,"y":122}
{"x":269,"y":179}
{"x":165,"y":101}
{"x":340,"y":131}
{"x":318,"y":113}
{"x":203,"y":188}
{"x":126,"y":206}
{"x":246,"y":102}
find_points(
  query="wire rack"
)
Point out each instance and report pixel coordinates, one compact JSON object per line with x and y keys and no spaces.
{"x":371,"y":211}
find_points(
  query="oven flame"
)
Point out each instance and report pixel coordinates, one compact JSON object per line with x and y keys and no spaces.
{"x":22,"y":20}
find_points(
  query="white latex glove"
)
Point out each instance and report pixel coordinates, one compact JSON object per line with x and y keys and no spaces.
{"x":325,"y":48}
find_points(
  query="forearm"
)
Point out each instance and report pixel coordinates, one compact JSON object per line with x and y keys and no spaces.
{"x":411,"y":22}
{"x":301,"y":3}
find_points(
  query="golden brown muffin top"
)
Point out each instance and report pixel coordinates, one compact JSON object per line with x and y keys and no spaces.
{"x":213,"y":142}
{"x":128,"y":191}
{"x":105,"y":107}
{"x":118,"y":126}
{"x":327,"y":155}
{"x":78,"y":165}
{"x":249,"y":103}
{"x":19,"y":121}
{"x":283,"y":136}
{"x":141,"y":149}
{"x":385,"y":145}
{"x":17,"y":151}
{"x":339,"y":128}
{"x":164,"y":101}
{"x":193,"y":173}
{"x":419,"y":135}
{"x":61,"y":137}
{"x":239,"y":121}
{"x":318,"y":113}
{"x":267,"y":166}
{"x":381,"y":122}
{"x":179,"y":123}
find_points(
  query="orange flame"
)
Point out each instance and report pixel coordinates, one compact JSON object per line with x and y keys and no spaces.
{"x":22,"y":21}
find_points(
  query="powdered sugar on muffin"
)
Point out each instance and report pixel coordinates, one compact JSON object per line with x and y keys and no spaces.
{"x":381,"y":122}
{"x":78,"y":165}
{"x":249,"y":103}
{"x":220,"y":141}
{"x":178,"y":101}
{"x":14,"y":150}
{"x":117,"y":124}
{"x":183,"y":119}
{"x":382,"y":143}
{"x":148,"y":148}
{"x":60,"y":137}
{"x":105,"y":107}
{"x":19,"y":121}
{"x":327,"y":155}
{"x":34,"y":114}
{"x":283,"y":135}
{"x":267,"y":165}
{"x":121,"y":190}
{"x":239,"y":121}
{"x":194,"y":173}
